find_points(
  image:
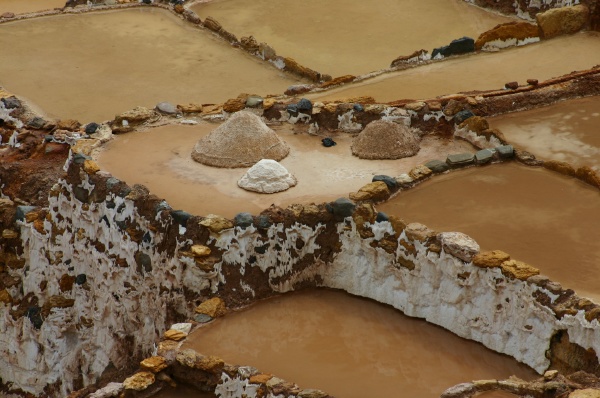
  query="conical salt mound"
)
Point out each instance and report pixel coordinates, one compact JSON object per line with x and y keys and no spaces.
{"x":385,"y":140}
{"x":241,"y":141}
{"x":267,"y":176}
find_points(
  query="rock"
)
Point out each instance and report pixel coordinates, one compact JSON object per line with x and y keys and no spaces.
{"x":135,"y":116}
{"x":490,"y":259}
{"x":190,"y":108}
{"x":484,"y":156}
{"x":551,"y":374}
{"x":90,"y":167}
{"x":437,"y":166}
{"x":216,"y":223}
{"x":417,"y":231}
{"x":585,"y":393}
{"x":298,"y":89}
{"x":588,"y":175}
{"x":385,"y":140}
{"x":532,"y":82}
{"x":267,"y":52}
{"x":405,"y":180}
{"x":175,"y":335}
{"x":68,"y":124}
{"x":415,"y":106}
{"x":518,"y":269}
{"x":328,"y":142}
{"x":202,"y":318}
{"x":453,"y":107}
{"x":460,"y":159}
{"x":562,"y":21}
{"x":342,"y":208}
{"x":506,"y":32}
{"x":459,"y":390}
{"x":167,"y":108}
{"x":7,"y":15}
{"x":476,"y":124}
{"x":22,"y":211}
{"x":143,"y":262}
{"x":254,"y":101}
{"x":9,"y":234}
{"x":56,"y":301}
{"x":419,"y":172}
{"x":110,"y":390}
{"x":11,"y":102}
{"x":153,"y":364}
{"x":91,"y":128}
{"x":338,"y":80}
{"x":294,"y":67}
{"x":139,"y":381}
{"x":214,"y":307}
{"x":358,"y":108}
{"x":212,"y":24}
{"x":305,"y":106}
{"x":243,"y":220}
{"x":389,"y":181}
{"x":5,"y":297}
{"x":80,"y":279}
{"x":459,"y":245}
{"x":463,"y":115}
{"x":260,"y":378}
{"x":66,"y":283}
{"x":185,"y":327}
{"x":242,"y":141}
{"x":505,"y":151}
{"x":267,"y":176}
{"x":560,"y":167}
{"x":181,"y":217}
{"x":200,"y":251}
{"x":36,"y":123}
{"x":459,"y":46}
{"x":103,"y":133}
{"x":407,"y":59}
{"x":234,"y":105}
{"x":312,"y":393}
{"x":374,"y":192}
{"x":249,"y":44}
{"x":512,"y":85}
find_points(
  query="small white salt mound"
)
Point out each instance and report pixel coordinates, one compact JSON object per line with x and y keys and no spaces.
{"x":267,"y":176}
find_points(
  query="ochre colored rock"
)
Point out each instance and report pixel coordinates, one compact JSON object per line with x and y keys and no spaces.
{"x":138,"y":114}
{"x":234,"y":104}
{"x":216,"y":223}
{"x":417,"y":231}
{"x":507,"y":31}
{"x":588,"y":175}
{"x":560,"y":167}
{"x":9,"y":234}
{"x":139,"y":381}
{"x":200,"y":251}
{"x":175,"y":335}
{"x":154,"y":364}
{"x":214,"y":307}
{"x":586,"y":393}
{"x":562,"y":21}
{"x":85,"y":146}
{"x":489,"y":259}
{"x":375,"y":192}
{"x":56,"y":302}
{"x":419,"y":172}
{"x":407,"y":59}
{"x":291,"y":65}
{"x":476,"y":124}
{"x":91,"y":167}
{"x":5,"y":297}
{"x":338,"y":80}
{"x":261,"y":378}
{"x":415,"y":106}
{"x":68,"y":124}
{"x":459,"y":245}
{"x":518,"y":269}
{"x":212,"y":24}
{"x":66,"y":283}
{"x":190,"y":108}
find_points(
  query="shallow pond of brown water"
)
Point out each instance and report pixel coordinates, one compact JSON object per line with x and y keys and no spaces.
{"x":543,"y":218}
{"x":26,"y":6}
{"x":568,"y":131}
{"x":93,"y":66}
{"x":483,"y":71}
{"x":342,"y":37}
{"x":350,"y":347}
{"x":163,"y":163}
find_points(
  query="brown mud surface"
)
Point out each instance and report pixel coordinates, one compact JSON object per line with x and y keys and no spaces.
{"x":351,"y":36}
{"x":163,"y":164}
{"x":543,"y":218}
{"x":350,"y":347}
{"x":98,"y":65}
{"x":27,"y":6}
{"x":567,"y":131}
{"x":482,"y":71}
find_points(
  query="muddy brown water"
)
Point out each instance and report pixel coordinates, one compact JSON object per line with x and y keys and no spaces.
{"x":350,"y":347}
{"x":27,"y":6}
{"x":342,"y":37}
{"x":484,"y":71}
{"x":567,"y":131}
{"x":543,"y":218}
{"x":93,"y":66}
{"x":163,"y":163}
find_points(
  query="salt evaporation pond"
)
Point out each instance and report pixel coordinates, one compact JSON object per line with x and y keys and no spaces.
{"x":483,"y":71}
{"x":27,"y":6}
{"x":567,"y":131}
{"x":350,"y":347}
{"x":543,"y":218}
{"x":92,"y":66}
{"x":351,"y":36}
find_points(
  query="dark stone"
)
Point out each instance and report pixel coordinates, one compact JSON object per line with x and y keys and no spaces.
{"x":147,"y":1}
{"x":112,"y":182}
{"x":35,"y":316}
{"x":91,"y":128}
{"x":263,"y":222}
{"x":202,"y":318}
{"x":389,"y":181}
{"x":48,"y":138}
{"x":358,"y":108}
{"x":181,"y":217}
{"x":11,"y":102}
{"x":512,"y":85}
{"x":292,"y":110}
{"x":167,"y":108}
{"x":122,"y":225}
{"x":437,"y":166}
{"x":342,"y":207}
{"x":36,"y":123}
{"x":459,"y":46}
{"x":147,"y":238}
{"x":105,"y":219}
{"x":80,"y":279}
{"x":381,"y":217}
{"x":505,"y":151}
{"x":484,"y":156}
{"x":21,"y":211}
{"x":533,"y":82}
{"x":143,"y":261}
{"x":81,"y":194}
{"x":298,"y":89}
{"x":261,"y":249}
{"x":328,"y":142}
{"x":243,"y":220}
{"x":124,"y":191}
{"x":462,"y":116}
{"x":110,"y":204}
{"x":440,"y":51}
{"x":305,"y":106}
{"x":80,"y":158}
{"x":460,"y":159}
